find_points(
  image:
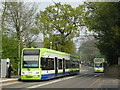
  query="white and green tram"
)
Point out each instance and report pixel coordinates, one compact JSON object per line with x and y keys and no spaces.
{"x":43,"y":64}
{"x":99,"y":64}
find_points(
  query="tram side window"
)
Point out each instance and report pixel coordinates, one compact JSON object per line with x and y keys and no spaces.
{"x":47,"y":63}
{"x":76,"y":64}
{"x":68,"y":64}
{"x":43,"y":64}
{"x":50,"y":63}
{"x":73,"y":64}
{"x":60,"y":63}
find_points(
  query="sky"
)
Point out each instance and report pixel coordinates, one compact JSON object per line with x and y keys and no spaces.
{"x":43,"y":5}
{"x":61,"y":0}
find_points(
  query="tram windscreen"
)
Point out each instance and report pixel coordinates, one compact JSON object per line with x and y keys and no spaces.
{"x":31,"y":58}
{"x":98,"y":64}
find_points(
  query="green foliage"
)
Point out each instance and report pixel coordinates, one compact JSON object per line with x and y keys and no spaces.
{"x":0,"y":43}
{"x":104,"y":19}
{"x":9,"y":46}
{"x":88,"y":51}
{"x":14,"y":63}
{"x":60,"y":23}
{"x":18,"y":18}
{"x":56,"y":44}
{"x":10,"y":50}
{"x":18,"y":28}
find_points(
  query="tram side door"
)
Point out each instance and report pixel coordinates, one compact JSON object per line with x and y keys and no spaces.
{"x":63,"y":66}
{"x":56,"y":66}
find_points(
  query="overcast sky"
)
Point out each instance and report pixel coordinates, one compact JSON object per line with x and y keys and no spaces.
{"x":43,"y":5}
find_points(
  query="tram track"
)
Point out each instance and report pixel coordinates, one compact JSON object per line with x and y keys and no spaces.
{"x":80,"y":77}
{"x":21,"y":84}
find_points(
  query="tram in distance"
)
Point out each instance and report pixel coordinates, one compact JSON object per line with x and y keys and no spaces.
{"x":99,"y":64}
{"x":43,"y":64}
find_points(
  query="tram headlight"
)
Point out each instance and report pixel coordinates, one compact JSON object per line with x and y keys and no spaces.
{"x":22,"y":73}
{"x":95,"y":68}
{"x":37,"y":73}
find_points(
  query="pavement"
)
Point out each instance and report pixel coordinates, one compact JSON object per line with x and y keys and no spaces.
{"x":13,"y":78}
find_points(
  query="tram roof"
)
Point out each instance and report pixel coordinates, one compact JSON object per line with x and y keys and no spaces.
{"x":54,"y":51}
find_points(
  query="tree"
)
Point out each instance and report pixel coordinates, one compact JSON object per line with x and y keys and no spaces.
{"x":0,"y":44}
{"x":88,"y":51}
{"x":104,"y":19}
{"x":10,"y":50}
{"x":61,"y":22}
{"x":56,"y":44}
{"x":18,"y":18}
{"x":18,"y":28}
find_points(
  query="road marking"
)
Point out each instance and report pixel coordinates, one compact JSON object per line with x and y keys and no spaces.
{"x":89,"y":78}
{"x":35,"y":86}
{"x":94,"y":83}
{"x":95,"y":75}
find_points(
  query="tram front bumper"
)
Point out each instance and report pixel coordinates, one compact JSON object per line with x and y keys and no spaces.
{"x":30,"y":77}
{"x":98,"y":69}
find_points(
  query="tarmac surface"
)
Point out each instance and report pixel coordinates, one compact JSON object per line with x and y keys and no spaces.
{"x":86,"y":79}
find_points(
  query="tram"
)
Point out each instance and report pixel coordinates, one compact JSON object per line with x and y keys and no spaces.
{"x":43,"y":64}
{"x":99,"y":64}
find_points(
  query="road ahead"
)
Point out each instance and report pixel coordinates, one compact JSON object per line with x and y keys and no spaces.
{"x":86,"y":79}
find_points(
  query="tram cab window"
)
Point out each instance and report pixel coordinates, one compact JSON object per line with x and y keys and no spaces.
{"x":47,"y":63}
{"x":98,"y":64}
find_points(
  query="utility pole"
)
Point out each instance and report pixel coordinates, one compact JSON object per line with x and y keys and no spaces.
{"x":50,"y":45}
{"x":19,"y":58}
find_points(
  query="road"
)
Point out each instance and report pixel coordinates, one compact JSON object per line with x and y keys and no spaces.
{"x":86,"y":79}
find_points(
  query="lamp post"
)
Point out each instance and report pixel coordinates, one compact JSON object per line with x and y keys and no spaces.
{"x":50,"y":45}
{"x":19,"y":58}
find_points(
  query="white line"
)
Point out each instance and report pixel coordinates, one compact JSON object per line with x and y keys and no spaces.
{"x":88,"y":79}
{"x":35,"y":86}
{"x":93,"y":83}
